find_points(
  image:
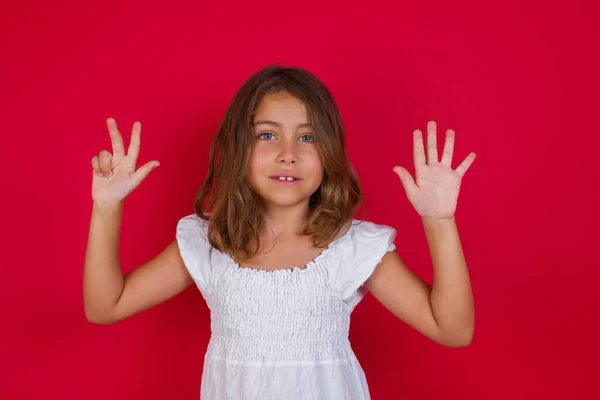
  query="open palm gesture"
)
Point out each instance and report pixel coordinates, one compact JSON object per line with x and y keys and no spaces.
{"x":434,"y":193}
{"x":114,"y":175}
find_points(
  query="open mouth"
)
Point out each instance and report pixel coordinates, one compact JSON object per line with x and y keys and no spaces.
{"x":285,"y":180}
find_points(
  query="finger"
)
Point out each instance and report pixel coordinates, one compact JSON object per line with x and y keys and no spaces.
{"x":418,"y":150}
{"x":432,"y":153}
{"x":143,"y":171}
{"x":104,"y":161}
{"x":407,"y":181}
{"x":134,"y":145}
{"x":115,"y":137}
{"x":448,"y":148}
{"x":464,"y":166}
{"x":95,"y":165}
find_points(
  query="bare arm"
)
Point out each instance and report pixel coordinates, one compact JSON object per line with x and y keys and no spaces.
{"x":445,"y":312}
{"x":102,"y":277}
{"x":109,"y":296}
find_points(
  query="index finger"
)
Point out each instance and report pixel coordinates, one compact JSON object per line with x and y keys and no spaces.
{"x":115,"y":137}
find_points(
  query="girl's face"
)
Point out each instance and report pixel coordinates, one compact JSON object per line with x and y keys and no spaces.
{"x":284,"y":146}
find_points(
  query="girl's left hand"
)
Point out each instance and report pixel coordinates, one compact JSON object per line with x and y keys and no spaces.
{"x":435,"y":193}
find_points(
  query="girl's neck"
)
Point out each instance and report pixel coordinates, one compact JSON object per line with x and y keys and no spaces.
{"x":284,"y":221}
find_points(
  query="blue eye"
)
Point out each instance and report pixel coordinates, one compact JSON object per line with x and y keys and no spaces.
{"x":265,"y":133}
{"x":311,"y":140}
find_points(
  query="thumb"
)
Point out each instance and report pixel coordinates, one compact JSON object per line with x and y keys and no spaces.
{"x":406,"y":178}
{"x":143,"y":171}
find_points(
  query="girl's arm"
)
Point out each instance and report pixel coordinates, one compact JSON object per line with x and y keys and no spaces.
{"x":444,"y":313}
{"x":451,"y":296}
{"x":109,"y":296}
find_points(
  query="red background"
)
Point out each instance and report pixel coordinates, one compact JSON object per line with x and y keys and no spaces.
{"x":516,"y":81}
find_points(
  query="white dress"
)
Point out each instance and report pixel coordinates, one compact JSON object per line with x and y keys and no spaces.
{"x":283,"y":334}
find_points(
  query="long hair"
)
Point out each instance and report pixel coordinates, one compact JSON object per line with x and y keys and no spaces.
{"x":233,"y":207}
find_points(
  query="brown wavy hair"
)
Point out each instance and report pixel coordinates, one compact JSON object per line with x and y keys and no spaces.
{"x":233,"y":207}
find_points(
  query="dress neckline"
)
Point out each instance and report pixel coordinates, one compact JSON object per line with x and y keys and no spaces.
{"x":312,"y":264}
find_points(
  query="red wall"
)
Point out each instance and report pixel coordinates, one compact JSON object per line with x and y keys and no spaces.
{"x":517,"y":82}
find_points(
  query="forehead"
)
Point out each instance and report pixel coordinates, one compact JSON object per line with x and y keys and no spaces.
{"x":282,"y":108}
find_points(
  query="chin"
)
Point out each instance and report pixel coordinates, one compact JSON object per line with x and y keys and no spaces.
{"x":283,"y":201}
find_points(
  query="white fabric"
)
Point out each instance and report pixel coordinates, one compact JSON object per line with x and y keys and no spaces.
{"x":283,"y":334}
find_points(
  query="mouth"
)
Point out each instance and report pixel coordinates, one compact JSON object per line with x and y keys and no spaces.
{"x":285,"y":180}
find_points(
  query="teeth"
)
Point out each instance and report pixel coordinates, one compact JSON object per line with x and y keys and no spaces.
{"x":283,"y":178}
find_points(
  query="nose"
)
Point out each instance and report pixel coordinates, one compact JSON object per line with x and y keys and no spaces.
{"x":287,"y":153}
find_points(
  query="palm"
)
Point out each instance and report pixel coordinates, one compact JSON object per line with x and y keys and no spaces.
{"x":435,"y":191}
{"x":123,"y":177}
{"x":119,"y":184}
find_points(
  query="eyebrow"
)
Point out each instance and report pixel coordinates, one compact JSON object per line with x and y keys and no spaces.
{"x":279,"y":125}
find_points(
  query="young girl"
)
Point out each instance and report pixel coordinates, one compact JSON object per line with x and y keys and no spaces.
{"x":275,"y":251}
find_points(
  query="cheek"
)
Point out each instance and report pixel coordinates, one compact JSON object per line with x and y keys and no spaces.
{"x":257,"y":164}
{"x":314,"y":159}
{"x":258,"y":160}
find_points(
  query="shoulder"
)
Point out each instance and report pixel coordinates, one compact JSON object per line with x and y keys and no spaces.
{"x":363,"y":240}
{"x":192,"y":236}
{"x":195,"y":218}
{"x":196,"y":251}
{"x":365,"y":232}
{"x":192,"y":225}
{"x":356,"y":255}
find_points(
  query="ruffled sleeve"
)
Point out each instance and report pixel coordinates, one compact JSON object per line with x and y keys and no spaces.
{"x":197,"y":253}
{"x":357,"y":256}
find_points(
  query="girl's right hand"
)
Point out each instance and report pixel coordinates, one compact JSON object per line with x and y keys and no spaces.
{"x":114,"y":175}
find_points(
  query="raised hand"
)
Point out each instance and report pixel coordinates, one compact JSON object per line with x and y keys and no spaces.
{"x":435,"y":193}
{"x":114,"y":175}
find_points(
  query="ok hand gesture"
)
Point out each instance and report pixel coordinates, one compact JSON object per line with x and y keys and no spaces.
{"x":114,"y":175}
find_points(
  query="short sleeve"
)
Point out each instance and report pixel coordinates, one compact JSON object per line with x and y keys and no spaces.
{"x":357,"y":257}
{"x":195,"y":249}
